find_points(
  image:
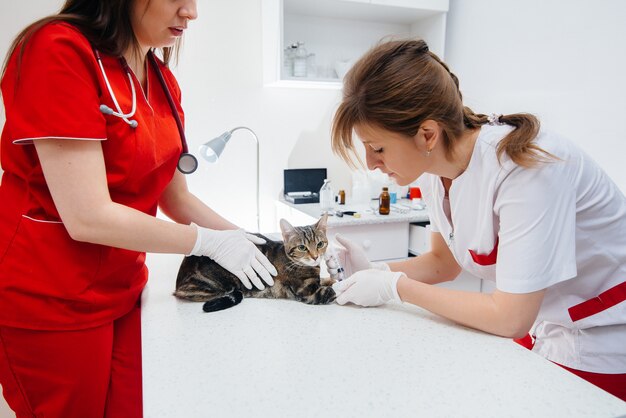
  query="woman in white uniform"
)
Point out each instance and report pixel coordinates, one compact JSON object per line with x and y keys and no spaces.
{"x":508,"y":202}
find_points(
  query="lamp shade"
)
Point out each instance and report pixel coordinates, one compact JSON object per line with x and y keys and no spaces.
{"x":212,"y":150}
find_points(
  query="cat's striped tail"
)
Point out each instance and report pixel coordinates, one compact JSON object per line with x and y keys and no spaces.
{"x":223,"y":302}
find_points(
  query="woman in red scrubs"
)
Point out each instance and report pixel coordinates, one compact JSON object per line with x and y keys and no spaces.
{"x":79,"y":194}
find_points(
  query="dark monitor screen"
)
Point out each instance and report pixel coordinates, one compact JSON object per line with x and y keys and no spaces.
{"x":304,"y":179}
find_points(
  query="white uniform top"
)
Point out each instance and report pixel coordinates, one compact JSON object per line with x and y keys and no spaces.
{"x":559,"y":226}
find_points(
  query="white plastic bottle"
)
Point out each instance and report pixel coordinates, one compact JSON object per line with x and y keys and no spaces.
{"x":326,"y":196}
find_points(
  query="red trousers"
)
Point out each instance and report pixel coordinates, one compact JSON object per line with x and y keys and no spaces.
{"x":86,"y":373}
{"x":615,"y":384}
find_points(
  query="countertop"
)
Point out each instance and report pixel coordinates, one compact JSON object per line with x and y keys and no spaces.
{"x":400,"y":212}
{"x":278,"y":358}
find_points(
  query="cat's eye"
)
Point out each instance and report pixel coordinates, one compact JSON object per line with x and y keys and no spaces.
{"x":301,"y":247}
{"x":321,"y":244}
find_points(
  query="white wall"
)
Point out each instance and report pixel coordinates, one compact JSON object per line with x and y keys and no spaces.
{"x":562,"y":60}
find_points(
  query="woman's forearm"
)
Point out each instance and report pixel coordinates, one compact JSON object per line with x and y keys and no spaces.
{"x":436,"y":266}
{"x":504,"y":314}
{"x":427,"y":268}
{"x":119,"y":226}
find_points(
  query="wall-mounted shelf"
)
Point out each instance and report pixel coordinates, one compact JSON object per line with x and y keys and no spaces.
{"x":340,"y":31}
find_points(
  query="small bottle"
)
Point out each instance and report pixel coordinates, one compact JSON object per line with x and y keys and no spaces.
{"x":326,"y":196}
{"x":342,"y":197}
{"x":384,"y":201}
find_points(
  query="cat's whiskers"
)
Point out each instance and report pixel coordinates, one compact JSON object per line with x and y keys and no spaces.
{"x":293,"y":266}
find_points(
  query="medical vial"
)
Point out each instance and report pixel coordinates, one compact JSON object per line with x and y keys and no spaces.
{"x":342,"y":197}
{"x":384,"y":202}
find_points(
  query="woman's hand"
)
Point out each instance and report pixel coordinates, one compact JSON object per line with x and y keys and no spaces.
{"x":235,"y":251}
{"x":369,"y":288}
{"x":351,"y":257}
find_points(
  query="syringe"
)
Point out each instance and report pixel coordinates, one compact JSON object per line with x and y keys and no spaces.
{"x":331,"y":256}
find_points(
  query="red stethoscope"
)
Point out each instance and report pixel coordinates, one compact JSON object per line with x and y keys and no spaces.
{"x":187,"y":163}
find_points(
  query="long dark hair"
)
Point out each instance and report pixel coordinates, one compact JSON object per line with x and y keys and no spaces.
{"x":398,"y":85}
{"x":105,"y":23}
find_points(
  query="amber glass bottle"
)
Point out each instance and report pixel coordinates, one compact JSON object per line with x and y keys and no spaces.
{"x":384,"y":201}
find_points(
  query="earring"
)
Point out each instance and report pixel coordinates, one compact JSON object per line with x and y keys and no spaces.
{"x":428,"y":153}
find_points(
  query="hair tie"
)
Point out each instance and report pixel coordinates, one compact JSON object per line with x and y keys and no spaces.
{"x":494,"y":119}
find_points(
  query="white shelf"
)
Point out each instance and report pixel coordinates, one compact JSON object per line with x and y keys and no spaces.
{"x":343,"y":30}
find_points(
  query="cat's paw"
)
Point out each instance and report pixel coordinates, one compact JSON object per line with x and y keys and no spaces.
{"x":327,"y":295}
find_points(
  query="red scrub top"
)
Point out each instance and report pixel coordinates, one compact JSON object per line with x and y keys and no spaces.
{"x":47,"y":279}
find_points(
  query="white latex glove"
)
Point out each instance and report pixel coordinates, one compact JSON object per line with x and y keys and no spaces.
{"x":350,"y":256}
{"x":235,"y":251}
{"x":369,"y":288}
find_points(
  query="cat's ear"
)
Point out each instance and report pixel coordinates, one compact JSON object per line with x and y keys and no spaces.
{"x":321,"y":224}
{"x":287,"y":229}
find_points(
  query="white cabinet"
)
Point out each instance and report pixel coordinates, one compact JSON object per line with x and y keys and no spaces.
{"x":336,"y":33}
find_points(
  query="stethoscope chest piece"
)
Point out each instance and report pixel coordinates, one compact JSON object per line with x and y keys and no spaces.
{"x":187,"y":163}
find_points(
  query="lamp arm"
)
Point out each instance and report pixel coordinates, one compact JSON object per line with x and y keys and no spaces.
{"x":256,"y":139}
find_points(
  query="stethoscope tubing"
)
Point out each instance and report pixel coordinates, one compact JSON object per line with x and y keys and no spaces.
{"x":170,"y":100}
{"x":119,"y":112}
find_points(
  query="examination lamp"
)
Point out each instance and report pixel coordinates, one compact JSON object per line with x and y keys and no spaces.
{"x":212,"y":150}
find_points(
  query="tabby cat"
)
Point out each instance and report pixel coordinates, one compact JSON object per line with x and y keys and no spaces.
{"x":296,"y":259}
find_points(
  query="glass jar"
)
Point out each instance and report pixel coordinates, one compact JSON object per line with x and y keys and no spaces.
{"x":326,"y":196}
{"x":300,"y":61}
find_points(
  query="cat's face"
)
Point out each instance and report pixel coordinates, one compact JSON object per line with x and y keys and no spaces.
{"x":305,"y":245}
